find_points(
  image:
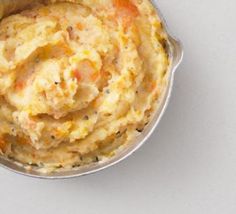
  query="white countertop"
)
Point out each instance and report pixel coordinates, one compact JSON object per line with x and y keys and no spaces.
{"x":189,"y":164}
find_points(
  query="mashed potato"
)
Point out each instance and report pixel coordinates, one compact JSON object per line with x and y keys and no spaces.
{"x":78,"y":81}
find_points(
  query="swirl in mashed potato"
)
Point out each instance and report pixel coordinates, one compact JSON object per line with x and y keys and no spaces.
{"x":78,"y":81}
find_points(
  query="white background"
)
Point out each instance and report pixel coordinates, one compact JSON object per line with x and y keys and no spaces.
{"x":189,"y":164}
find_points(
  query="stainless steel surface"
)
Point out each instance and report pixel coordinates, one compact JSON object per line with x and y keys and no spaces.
{"x":175,"y":52}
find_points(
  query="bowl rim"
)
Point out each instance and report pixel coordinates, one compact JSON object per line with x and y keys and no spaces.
{"x":176,"y":58}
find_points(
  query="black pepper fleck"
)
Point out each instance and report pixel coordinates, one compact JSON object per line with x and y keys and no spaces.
{"x":118,"y":134}
{"x":86,"y":117}
{"x":70,"y":32}
{"x":139,"y":130}
{"x":76,"y":165}
{"x":37,"y":60}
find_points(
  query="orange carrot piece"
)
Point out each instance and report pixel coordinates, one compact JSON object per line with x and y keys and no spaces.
{"x":79,"y":26}
{"x":20,"y":85}
{"x":77,"y":75}
{"x":95,"y":75}
{"x":126,"y":10}
{"x":2,"y":145}
{"x":152,"y":86}
{"x":86,"y":71}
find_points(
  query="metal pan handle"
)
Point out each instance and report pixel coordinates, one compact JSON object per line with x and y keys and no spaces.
{"x":177,"y":52}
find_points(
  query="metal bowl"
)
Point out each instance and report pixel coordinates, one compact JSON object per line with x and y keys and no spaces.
{"x":175,"y":52}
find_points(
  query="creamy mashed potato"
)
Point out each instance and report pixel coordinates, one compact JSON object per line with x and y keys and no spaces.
{"x":78,"y":80}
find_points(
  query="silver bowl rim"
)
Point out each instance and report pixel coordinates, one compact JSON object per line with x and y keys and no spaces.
{"x":177,"y":57}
